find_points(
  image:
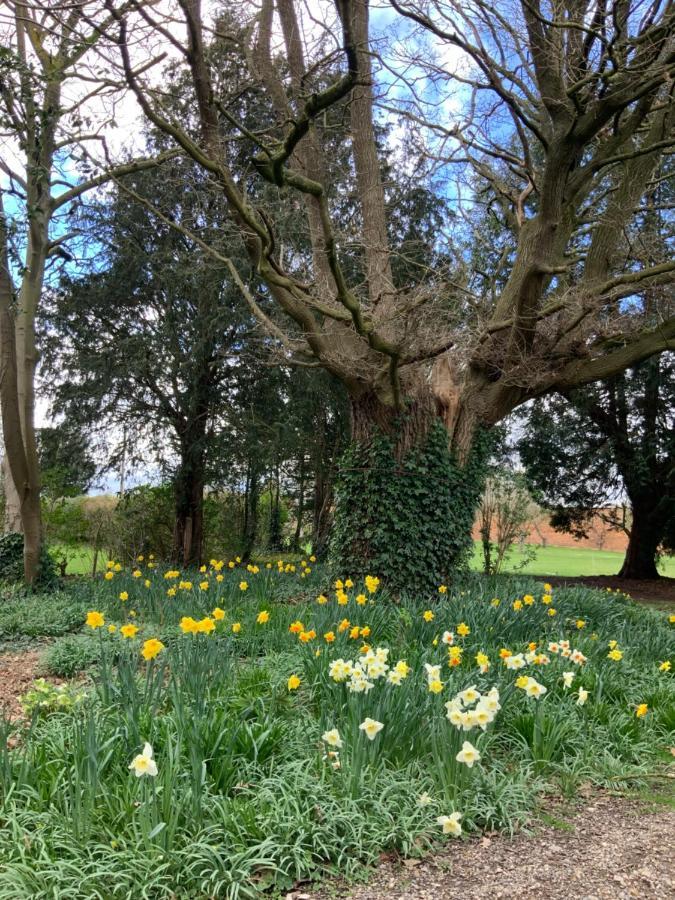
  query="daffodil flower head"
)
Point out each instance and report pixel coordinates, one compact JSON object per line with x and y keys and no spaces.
{"x":450,"y":824}
{"x":468,"y":754}
{"x":144,"y":764}
{"x":371,"y":728}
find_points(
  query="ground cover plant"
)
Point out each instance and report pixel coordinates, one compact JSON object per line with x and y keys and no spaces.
{"x":244,"y":728}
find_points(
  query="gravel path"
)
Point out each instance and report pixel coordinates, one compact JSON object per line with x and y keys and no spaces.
{"x":616,"y":849}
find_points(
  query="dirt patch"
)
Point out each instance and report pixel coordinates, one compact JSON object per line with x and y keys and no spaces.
{"x":613,"y":848}
{"x":17,"y":673}
{"x":660,"y":591}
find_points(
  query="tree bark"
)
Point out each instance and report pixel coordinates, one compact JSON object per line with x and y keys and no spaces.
{"x":404,"y":502}
{"x":188,"y":535}
{"x":643,"y":543}
{"x":22,"y":461}
{"x":12,"y":521}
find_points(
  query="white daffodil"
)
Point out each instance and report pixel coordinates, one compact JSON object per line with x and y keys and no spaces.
{"x":470,"y":695}
{"x":516,"y":661}
{"x":424,"y":799}
{"x":433,"y":672}
{"x":455,"y":716}
{"x":144,"y":764}
{"x":534,"y":689}
{"x":371,"y":728}
{"x":468,"y":754}
{"x":332,"y":738}
{"x":448,"y":638}
{"x":577,"y":657}
{"x":582,"y":696}
{"x":482,"y":716}
{"x":394,"y":677}
{"x":450,"y":824}
{"x":568,"y":678}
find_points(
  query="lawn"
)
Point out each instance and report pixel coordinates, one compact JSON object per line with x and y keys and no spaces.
{"x":549,"y":561}
{"x":568,"y":561}
{"x":233,"y":731}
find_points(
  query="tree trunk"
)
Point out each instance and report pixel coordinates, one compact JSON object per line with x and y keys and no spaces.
{"x":17,"y":366}
{"x":643,"y":542}
{"x":301,"y":505}
{"x":12,"y":521}
{"x":404,"y":503}
{"x":251,"y":511}
{"x":188,"y":534}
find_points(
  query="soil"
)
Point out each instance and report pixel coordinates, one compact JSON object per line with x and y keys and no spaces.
{"x":613,"y":848}
{"x":660,"y":591}
{"x":17,"y":673}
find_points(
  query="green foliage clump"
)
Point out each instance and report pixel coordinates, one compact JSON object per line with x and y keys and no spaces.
{"x":46,"y":698}
{"x":11,"y":563}
{"x":408,"y":520}
{"x":37,"y":615}
{"x":70,"y":655}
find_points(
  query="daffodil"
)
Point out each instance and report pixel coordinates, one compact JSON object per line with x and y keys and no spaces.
{"x":218,"y":614}
{"x":468,"y":754}
{"x":236,"y":627}
{"x":568,"y":678}
{"x":582,"y":696}
{"x":665,"y":666}
{"x":463,"y":629}
{"x":152,"y":648}
{"x":95,"y":619}
{"x":332,"y":738}
{"x":641,"y":710}
{"x":263,"y":617}
{"x":293,"y":683}
{"x":371,"y":728}
{"x":129,"y":631}
{"x":428,"y":616}
{"x":144,"y":764}
{"x":450,"y":824}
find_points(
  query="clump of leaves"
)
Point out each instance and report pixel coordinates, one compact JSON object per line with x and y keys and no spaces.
{"x":70,"y":655}
{"x":45,"y":697}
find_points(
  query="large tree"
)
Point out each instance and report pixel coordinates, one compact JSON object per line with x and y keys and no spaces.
{"x":149,"y":339}
{"x":612,"y":440}
{"x":51,"y":106}
{"x":563,"y":116}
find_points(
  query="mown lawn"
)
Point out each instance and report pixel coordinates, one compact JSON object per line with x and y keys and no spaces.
{"x":549,"y":561}
{"x":569,"y":561}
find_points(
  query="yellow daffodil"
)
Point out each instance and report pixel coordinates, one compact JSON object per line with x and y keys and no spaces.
{"x":463,"y":629}
{"x":263,"y":617}
{"x":129,"y":631}
{"x":665,"y":666}
{"x":95,"y":619}
{"x":641,"y":710}
{"x":218,"y":614}
{"x":236,"y":627}
{"x":293,"y":683}
{"x":428,"y":616}
{"x":151,"y":648}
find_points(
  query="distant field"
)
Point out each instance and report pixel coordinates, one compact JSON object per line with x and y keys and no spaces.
{"x":570,"y":561}
{"x":549,"y":561}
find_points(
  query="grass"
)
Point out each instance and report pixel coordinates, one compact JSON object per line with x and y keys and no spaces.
{"x":247,"y":797}
{"x":570,"y":561}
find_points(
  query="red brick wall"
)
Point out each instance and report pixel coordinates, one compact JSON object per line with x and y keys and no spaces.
{"x":600,"y":537}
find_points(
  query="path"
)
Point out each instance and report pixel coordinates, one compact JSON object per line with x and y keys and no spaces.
{"x":615,"y":849}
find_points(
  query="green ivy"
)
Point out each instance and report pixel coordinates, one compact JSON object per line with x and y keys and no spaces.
{"x":406,"y":520}
{"x":11,"y":563}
